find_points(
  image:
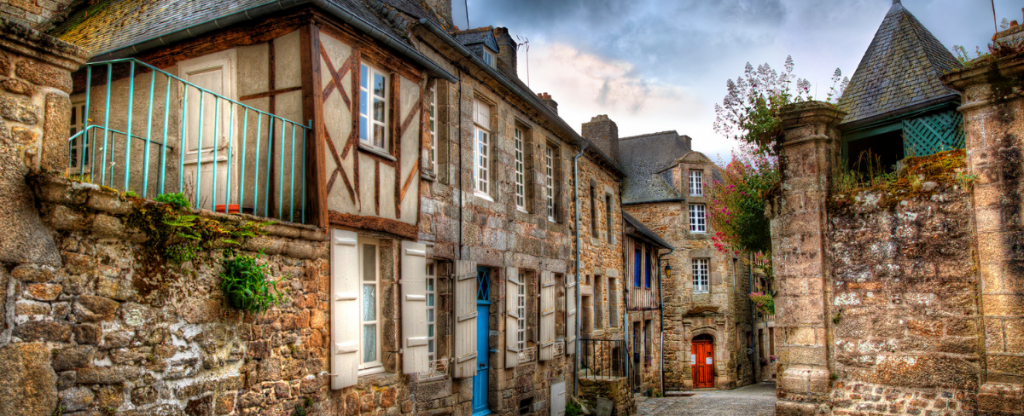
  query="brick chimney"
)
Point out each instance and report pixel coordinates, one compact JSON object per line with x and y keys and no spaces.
{"x":443,"y":9}
{"x":506,"y":51}
{"x":603,"y":133}
{"x":546,"y":98}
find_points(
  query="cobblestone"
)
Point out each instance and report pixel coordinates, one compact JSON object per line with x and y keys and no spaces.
{"x":757,"y":400}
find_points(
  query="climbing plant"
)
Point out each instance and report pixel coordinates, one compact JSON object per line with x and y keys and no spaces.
{"x":247,"y":284}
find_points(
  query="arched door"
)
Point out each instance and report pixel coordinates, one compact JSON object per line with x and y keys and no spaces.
{"x":702,"y":361}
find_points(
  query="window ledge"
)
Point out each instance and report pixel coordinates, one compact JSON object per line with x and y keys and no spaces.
{"x":523,"y":210}
{"x":376,"y":150}
{"x":482,"y":195}
{"x":370,"y":371}
{"x":428,"y":176}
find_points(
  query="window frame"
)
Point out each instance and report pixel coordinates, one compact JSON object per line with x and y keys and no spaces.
{"x":364,"y":87}
{"x":432,"y":127}
{"x":376,"y":366}
{"x":701,"y":271}
{"x":647,"y":268}
{"x":637,"y":266}
{"x":76,"y":124}
{"x":522,"y":342}
{"x":549,"y":181}
{"x":482,"y":167}
{"x":430,"y":280}
{"x":519,"y":150}
{"x":696,"y":182}
{"x":698,"y":219}
{"x":593,"y":211}
{"x":489,"y":57}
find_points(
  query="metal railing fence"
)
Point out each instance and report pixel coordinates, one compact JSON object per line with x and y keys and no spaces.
{"x":602,"y":358}
{"x":250,"y":166}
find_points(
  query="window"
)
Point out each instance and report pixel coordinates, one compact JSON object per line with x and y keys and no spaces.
{"x":431,"y":279}
{"x":80,"y":144}
{"x":700,"y":275}
{"x":637,"y":260}
{"x":520,"y":170}
{"x":598,"y":300}
{"x":482,"y":148}
{"x":613,"y":315}
{"x":373,"y":107}
{"x":696,"y":183}
{"x":549,"y":181}
{"x":433,"y":128}
{"x":647,"y":271}
{"x":521,"y":312}
{"x":369,"y":340}
{"x":607,"y":218}
{"x":488,"y":58}
{"x":593,"y":211}
{"x":697,"y":223}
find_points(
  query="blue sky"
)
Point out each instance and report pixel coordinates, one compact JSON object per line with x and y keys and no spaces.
{"x":662,"y":65}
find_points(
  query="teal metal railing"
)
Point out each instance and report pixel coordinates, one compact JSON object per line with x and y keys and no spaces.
{"x":252,"y":166}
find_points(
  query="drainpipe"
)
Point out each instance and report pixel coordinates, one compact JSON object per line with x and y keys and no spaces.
{"x":462,"y":190}
{"x":661,"y":318}
{"x":576,"y":230}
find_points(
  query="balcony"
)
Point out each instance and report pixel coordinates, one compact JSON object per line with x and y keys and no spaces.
{"x":643,"y":299}
{"x":143,"y":130}
{"x":602,"y":359}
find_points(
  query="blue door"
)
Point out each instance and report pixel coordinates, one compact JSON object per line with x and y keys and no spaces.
{"x":483,"y":310}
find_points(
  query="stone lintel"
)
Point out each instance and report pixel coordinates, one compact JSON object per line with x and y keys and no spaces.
{"x":34,"y":44}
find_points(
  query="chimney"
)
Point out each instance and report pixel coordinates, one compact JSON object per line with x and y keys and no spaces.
{"x":603,"y":133}
{"x":443,"y":10}
{"x":546,"y":98}
{"x":506,"y":51}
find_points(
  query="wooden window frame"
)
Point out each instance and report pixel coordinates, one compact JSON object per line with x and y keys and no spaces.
{"x":376,"y":366}
{"x":696,"y":182}
{"x":701,"y":275}
{"x":364,"y":87}
{"x":698,"y":219}
{"x":549,"y":180}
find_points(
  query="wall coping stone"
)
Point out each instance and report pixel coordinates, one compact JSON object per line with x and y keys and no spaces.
{"x":63,"y":191}
{"x":809,"y":112}
{"x":35,"y":44}
{"x":985,"y":72}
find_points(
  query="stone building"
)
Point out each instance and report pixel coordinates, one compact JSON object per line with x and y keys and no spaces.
{"x":441,"y":230}
{"x":707,"y":318}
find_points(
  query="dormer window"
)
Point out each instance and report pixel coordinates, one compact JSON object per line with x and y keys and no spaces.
{"x":488,"y":57}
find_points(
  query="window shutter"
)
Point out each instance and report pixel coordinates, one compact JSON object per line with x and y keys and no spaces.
{"x":344,"y":307}
{"x":512,"y":285}
{"x":414,"y":307}
{"x":570,"y":315}
{"x":547,"y":316}
{"x":465,"y":319}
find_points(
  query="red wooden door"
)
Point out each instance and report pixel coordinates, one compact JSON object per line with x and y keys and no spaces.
{"x":703,"y":363}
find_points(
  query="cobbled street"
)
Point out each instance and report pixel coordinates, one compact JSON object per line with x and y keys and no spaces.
{"x":757,"y":400}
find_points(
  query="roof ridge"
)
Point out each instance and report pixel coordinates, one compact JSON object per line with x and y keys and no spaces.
{"x":640,"y":136}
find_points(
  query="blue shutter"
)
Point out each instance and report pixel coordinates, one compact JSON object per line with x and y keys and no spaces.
{"x":647,"y":271}
{"x":637,"y":260}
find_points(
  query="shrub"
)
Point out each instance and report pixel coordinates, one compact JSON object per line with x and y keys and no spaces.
{"x":248,"y":286}
{"x":176,"y":200}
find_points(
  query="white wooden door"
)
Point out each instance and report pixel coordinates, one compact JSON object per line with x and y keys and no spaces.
{"x":208,"y":131}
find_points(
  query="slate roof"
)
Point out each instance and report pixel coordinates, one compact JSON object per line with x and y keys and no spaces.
{"x":644,"y":232}
{"x":901,"y":68}
{"x":643,"y":158}
{"x":124,"y":23}
{"x":484,"y":35}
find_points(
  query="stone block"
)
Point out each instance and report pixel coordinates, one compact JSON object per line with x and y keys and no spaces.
{"x":114,"y":288}
{"x":29,"y":384}
{"x":44,"y":75}
{"x":31,"y":273}
{"x":44,"y":291}
{"x":47,"y":331}
{"x":90,"y":308}
{"x":75,"y":399}
{"x":1000,"y":398}
{"x":56,"y":154}
{"x":17,"y":86}
{"x":73,"y":357}
{"x":19,"y":109}
{"x":108,"y":375}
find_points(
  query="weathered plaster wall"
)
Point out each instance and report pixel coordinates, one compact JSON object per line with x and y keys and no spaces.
{"x":904,"y":305}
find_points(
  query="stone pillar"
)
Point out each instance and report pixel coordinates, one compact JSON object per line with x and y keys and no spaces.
{"x":993,"y":109}
{"x":810,"y":154}
{"x":35,"y":80}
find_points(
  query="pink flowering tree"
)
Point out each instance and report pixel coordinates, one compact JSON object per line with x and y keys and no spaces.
{"x":750,"y":113}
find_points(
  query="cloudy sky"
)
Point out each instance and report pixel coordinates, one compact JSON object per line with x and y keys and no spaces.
{"x":655,"y":65}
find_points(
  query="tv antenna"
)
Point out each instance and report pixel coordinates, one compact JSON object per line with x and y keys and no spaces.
{"x":524,"y":43}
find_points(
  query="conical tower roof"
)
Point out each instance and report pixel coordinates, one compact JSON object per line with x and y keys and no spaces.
{"x":899,"y":71}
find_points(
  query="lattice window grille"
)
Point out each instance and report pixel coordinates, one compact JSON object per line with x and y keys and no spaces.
{"x":923,"y":136}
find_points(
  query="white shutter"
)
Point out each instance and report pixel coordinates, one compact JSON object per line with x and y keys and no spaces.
{"x":558,"y":399}
{"x":512,"y":285}
{"x":465,"y":319}
{"x":414,"y":307}
{"x":547,"y":316}
{"x":570,"y":315}
{"x":344,"y":308}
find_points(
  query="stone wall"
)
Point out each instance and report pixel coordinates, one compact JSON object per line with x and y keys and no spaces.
{"x":114,"y":329}
{"x":615,"y":390}
{"x":33,"y":13}
{"x":904,"y":308}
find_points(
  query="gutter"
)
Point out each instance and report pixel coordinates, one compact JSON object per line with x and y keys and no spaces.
{"x":576,"y":230}
{"x":273,"y":8}
{"x":661,"y":318}
{"x":528,"y":97}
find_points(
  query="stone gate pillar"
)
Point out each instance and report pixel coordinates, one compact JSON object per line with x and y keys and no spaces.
{"x":35,"y":80}
{"x":993,"y":109}
{"x":810,"y":154}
